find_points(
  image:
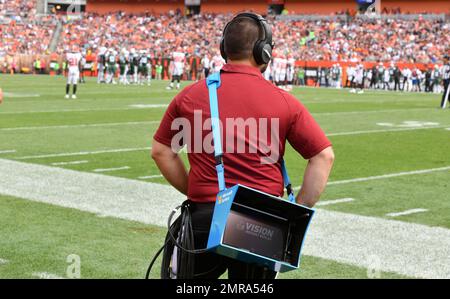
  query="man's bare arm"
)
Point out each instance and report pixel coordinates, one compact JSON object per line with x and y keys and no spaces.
{"x":315,"y":177}
{"x":1,"y":96}
{"x":171,"y":166}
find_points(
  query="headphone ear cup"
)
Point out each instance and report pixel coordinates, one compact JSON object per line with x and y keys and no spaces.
{"x":222,"y":49}
{"x":267,"y":53}
{"x":258,"y":52}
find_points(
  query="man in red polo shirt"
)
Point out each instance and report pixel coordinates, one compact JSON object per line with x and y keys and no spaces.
{"x":250,"y":110}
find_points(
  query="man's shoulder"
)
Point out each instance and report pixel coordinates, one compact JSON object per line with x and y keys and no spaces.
{"x":193,"y":90}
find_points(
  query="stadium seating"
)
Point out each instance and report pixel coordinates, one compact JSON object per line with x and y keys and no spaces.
{"x":332,"y":39}
{"x":22,"y":31}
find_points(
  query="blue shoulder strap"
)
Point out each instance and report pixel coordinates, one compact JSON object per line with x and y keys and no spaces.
{"x":213,"y":83}
{"x":287,"y":182}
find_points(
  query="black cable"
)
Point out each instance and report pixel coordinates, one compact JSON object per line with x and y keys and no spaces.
{"x":182,"y":227}
{"x":185,"y":221}
{"x":147,"y":274}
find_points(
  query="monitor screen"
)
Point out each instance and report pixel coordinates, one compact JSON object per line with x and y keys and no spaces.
{"x":257,"y":233}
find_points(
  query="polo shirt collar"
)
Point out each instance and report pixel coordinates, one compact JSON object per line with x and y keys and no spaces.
{"x":243,"y":69}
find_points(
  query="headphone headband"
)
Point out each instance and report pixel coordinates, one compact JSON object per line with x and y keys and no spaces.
{"x":262,"y":50}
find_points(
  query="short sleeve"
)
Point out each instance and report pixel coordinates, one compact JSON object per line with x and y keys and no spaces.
{"x":304,"y":133}
{"x":164,"y":134}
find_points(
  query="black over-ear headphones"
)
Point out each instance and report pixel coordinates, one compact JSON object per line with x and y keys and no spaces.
{"x":262,"y":50}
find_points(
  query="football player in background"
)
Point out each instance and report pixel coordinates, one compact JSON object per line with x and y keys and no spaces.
{"x":111,"y":66}
{"x":82,"y":65}
{"x":446,"y":79}
{"x":290,"y":71}
{"x":73,"y":59}
{"x":134,"y":60}
{"x":206,"y":61}
{"x":101,"y":62}
{"x":436,"y":79}
{"x":177,"y":67}
{"x":144,"y":68}
{"x":282,"y":64}
{"x":217,"y":63}
{"x":123,"y":67}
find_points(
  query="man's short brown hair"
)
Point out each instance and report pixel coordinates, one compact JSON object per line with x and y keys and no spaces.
{"x":240,"y":38}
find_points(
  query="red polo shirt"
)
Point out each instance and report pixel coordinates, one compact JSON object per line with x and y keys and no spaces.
{"x":245,"y":94}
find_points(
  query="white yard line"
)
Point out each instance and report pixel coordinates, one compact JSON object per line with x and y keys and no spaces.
{"x":69,"y":163}
{"x":383,"y":131}
{"x":407,"y":212}
{"x":118,"y":150}
{"x":370,"y":111}
{"x":146,"y":106}
{"x":385,"y":176}
{"x":20,"y":95}
{"x":333,"y":202}
{"x":3,"y":261}
{"x":406,"y":248}
{"x":151,"y":106}
{"x":46,"y":275}
{"x":150,"y":177}
{"x":111,"y":169}
{"x":131,"y":123}
{"x":155,"y":106}
{"x":7,"y":151}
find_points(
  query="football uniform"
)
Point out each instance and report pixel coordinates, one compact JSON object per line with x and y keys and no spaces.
{"x":73,"y":61}
{"x":446,"y":79}
{"x":101,"y":62}
{"x":123,"y":68}
{"x":111,"y":63}
{"x":276,"y":69}
{"x":135,"y":67}
{"x":359,"y":76}
{"x":123,"y":64}
{"x":436,"y":80}
{"x":179,"y":60}
{"x":205,"y":64}
{"x":217,"y":63}
{"x":283,"y":69}
{"x":290,"y":69}
{"x":144,"y":62}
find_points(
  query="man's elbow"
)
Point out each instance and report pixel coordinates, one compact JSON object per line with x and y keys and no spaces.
{"x":327,"y":156}
{"x":160,"y":151}
{"x":155,"y":154}
{"x":157,"y":150}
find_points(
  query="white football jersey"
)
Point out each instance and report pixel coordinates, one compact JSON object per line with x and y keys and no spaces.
{"x":73,"y":59}
{"x":276,"y":63}
{"x":282,"y":64}
{"x":217,"y":63}
{"x":178,"y":61}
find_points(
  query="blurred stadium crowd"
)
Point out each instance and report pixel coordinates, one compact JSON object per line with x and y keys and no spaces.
{"x":387,"y":40}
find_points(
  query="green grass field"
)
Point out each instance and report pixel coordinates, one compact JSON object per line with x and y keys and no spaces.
{"x":392,"y":155}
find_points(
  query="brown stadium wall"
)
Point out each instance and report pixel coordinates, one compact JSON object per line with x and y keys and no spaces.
{"x":134,"y":6}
